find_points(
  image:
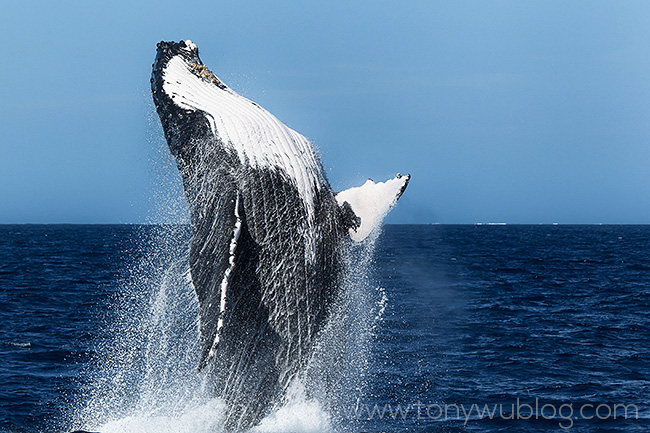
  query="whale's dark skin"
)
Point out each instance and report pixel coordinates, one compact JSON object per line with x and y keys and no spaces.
{"x":277,"y":301}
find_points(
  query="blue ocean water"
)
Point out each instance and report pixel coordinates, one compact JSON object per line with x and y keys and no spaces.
{"x":483,"y":329}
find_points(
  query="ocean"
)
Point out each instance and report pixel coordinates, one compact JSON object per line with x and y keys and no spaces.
{"x":473,"y":328}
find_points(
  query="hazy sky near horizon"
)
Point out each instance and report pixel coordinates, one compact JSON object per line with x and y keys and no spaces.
{"x":502,"y":111}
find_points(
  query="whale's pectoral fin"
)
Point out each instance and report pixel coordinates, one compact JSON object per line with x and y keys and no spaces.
{"x":370,"y":203}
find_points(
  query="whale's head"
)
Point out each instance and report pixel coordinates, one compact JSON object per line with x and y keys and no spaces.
{"x":177,"y":81}
{"x":203,"y":119}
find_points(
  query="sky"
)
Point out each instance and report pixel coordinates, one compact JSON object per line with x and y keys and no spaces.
{"x":502,"y":111}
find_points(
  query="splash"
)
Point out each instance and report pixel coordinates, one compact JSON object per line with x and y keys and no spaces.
{"x":299,"y":326}
{"x":146,"y":364}
{"x":145,"y":379}
{"x":144,"y":375}
{"x":202,"y":418}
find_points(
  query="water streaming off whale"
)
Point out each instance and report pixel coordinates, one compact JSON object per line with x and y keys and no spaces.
{"x":257,"y":316}
{"x":145,"y":377}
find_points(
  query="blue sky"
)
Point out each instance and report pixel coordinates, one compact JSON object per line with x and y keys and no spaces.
{"x":503,"y":111}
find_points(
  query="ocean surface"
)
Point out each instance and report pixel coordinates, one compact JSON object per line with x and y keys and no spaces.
{"x":476,"y":328}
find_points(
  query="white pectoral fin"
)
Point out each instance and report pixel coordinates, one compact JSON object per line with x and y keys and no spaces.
{"x":371,"y":202}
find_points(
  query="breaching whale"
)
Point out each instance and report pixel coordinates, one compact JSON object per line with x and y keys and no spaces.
{"x":268,"y":231}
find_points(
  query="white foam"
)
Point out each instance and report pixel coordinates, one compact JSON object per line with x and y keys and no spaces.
{"x":298,"y":415}
{"x":302,"y":417}
{"x":205,"y":418}
{"x":18,"y":344}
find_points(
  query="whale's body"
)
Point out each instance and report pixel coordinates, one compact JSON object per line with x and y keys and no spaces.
{"x":268,"y":231}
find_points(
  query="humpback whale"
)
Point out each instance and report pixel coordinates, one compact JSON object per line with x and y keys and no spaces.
{"x":268,"y":232}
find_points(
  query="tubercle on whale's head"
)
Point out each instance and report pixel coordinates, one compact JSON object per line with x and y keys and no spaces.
{"x":187,"y":50}
{"x":191,"y":45}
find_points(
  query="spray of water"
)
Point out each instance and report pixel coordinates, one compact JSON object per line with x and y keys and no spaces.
{"x":145,"y":379}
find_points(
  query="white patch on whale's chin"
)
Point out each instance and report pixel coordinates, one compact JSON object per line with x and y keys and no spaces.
{"x":258,"y":137}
